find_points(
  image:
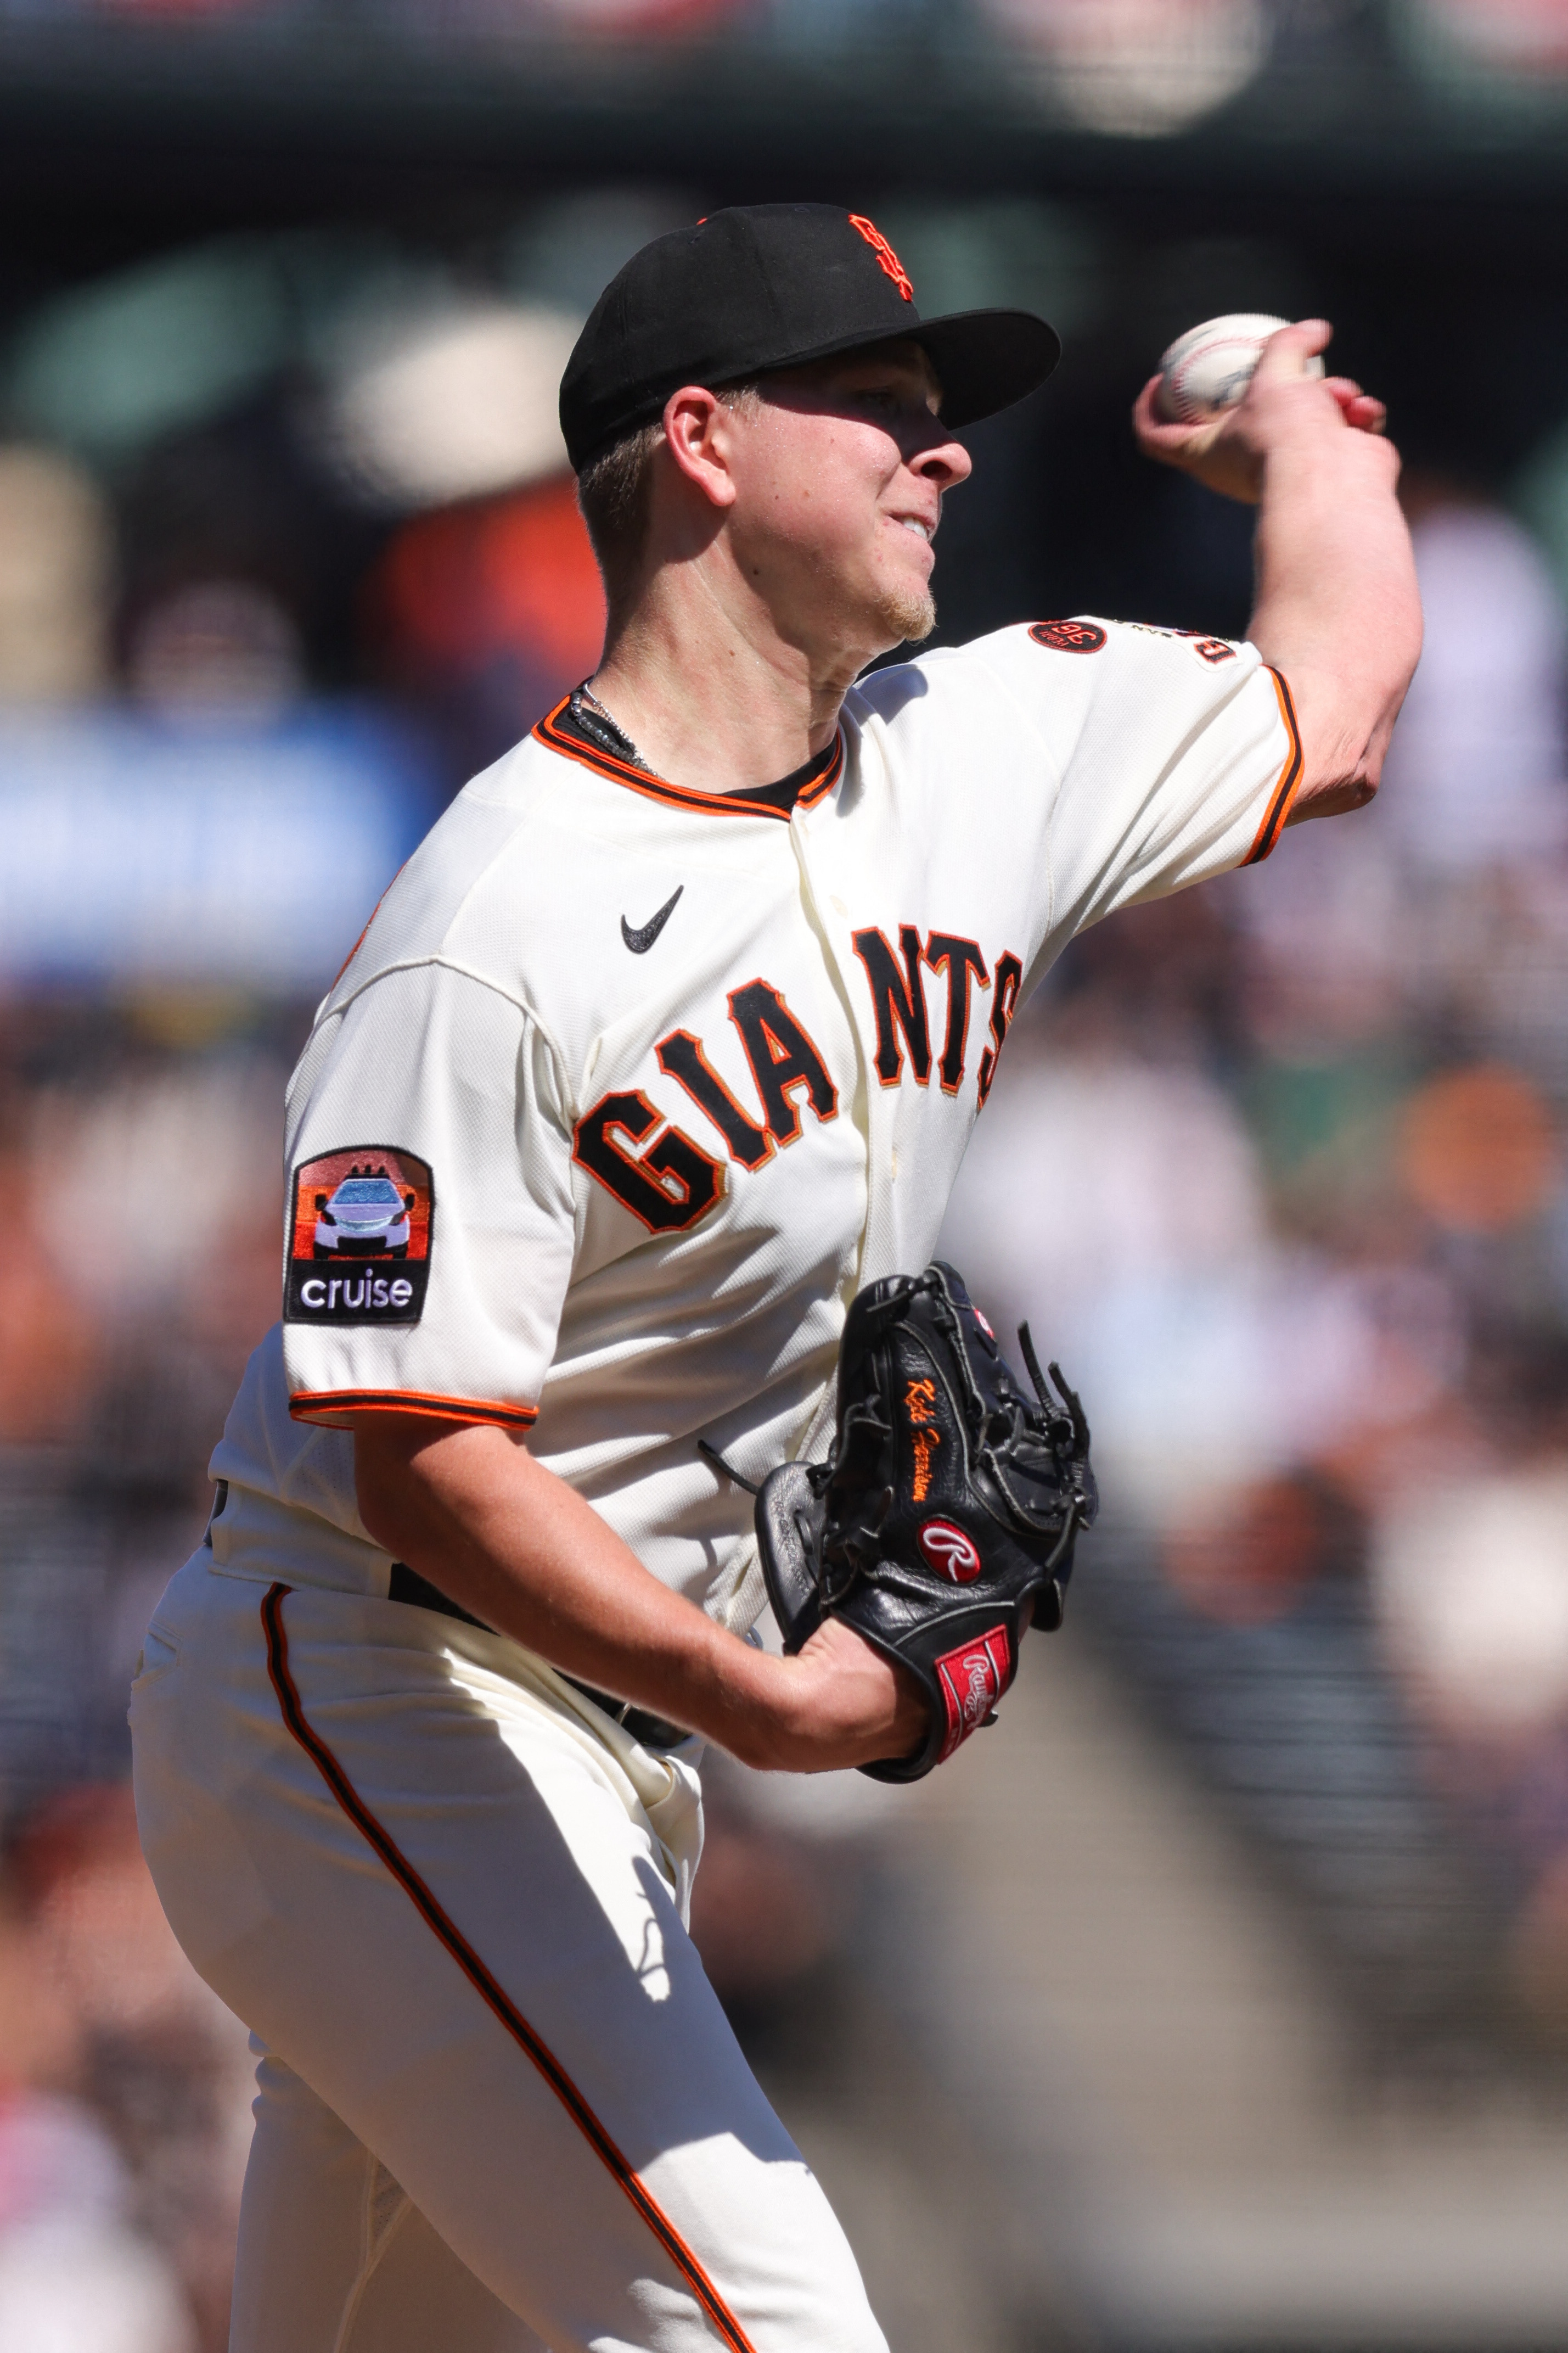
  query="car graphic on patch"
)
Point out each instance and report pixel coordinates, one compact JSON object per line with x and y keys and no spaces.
{"x":366,"y":1217}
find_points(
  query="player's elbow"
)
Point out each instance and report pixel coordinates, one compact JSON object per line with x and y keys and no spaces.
{"x":1335,"y":793}
{"x":1362,"y":786}
{"x":1345,"y":742}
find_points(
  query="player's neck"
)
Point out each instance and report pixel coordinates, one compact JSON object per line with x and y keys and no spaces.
{"x":713,"y":697}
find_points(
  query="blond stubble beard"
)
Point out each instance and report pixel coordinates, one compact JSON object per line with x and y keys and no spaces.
{"x":912,"y":613}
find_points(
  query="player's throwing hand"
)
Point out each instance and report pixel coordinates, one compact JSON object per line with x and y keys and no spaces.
{"x":1283,"y":408}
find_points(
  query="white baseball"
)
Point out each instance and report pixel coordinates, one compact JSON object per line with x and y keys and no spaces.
{"x":1206,"y":370}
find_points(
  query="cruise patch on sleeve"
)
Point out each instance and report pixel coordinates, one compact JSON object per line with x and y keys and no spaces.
{"x":359,"y":1237}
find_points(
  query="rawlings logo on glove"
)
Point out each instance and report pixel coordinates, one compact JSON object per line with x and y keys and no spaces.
{"x":949,"y":1551}
{"x":971,"y":1678}
{"x":942,"y":1524}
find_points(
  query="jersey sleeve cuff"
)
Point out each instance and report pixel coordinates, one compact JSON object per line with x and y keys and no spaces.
{"x":340,"y":1409}
{"x":1285,"y":785}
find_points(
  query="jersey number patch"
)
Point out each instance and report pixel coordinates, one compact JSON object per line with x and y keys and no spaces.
{"x":1069,"y":637}
{"x":360,"y":1223}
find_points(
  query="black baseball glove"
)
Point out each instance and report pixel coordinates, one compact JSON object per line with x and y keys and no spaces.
{"x":943,"y":1523}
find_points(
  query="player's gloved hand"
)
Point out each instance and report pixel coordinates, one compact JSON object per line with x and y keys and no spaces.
{"x":1282,"y":408}
{"x":943,"y":1523}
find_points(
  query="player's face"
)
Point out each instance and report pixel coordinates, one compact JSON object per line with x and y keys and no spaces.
{"x":839,"y":477}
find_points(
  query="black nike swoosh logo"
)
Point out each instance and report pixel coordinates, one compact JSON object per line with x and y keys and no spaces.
{"x":639,"y":942}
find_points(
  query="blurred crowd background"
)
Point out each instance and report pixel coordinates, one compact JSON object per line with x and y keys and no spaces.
{"x":289,"y":548}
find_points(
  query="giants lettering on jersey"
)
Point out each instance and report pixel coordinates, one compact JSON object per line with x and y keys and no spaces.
{"x":674,"y":1182}
{"x":898,"y":1004}
{"x":671,"y":1182}
{"x":670,"y":1186}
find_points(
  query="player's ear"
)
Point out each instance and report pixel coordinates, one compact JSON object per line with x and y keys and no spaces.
{"x":697,"y":431}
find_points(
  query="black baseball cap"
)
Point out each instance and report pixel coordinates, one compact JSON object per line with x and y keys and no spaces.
{"x":773,"y":286}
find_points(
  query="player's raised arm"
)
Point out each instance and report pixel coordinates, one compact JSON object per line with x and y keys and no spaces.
{"x":1337,"y":612}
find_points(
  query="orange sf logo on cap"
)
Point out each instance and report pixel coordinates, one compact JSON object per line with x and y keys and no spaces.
{"x":884,"y":253}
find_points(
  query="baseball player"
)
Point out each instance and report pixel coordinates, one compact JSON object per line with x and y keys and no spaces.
{"x":664,"y":1046}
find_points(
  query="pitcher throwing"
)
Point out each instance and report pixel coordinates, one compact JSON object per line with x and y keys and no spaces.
{"x":665,"y":1046}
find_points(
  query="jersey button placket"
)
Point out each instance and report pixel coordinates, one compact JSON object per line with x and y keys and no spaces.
{"x":871,"y":1117}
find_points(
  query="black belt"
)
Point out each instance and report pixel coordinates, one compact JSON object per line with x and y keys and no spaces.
{"x":405,"y":1584}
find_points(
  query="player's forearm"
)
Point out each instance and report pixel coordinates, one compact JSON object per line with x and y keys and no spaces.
{"x":505,"y":1539}
{"x":1338,"y":610}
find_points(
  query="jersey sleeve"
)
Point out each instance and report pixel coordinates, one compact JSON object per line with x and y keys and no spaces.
{"x":1168,"y":758}
{"x":429,"y":1221}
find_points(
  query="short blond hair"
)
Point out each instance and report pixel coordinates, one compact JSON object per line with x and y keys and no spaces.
{"x":613,"y":494}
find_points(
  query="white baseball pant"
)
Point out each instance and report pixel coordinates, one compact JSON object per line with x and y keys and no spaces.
{"x":499,"y":2102}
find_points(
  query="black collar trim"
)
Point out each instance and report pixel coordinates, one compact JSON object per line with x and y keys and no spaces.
{"x":579,"y":732}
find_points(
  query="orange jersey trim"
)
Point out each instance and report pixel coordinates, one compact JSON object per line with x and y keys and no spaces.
{"x":329,"y":1405}
{"x":483,"y":1980}
{"x":654,"y":788}
{"x":1288,"y":783}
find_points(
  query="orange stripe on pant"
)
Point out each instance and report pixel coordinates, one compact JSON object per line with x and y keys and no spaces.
{"x":485,"y":1984}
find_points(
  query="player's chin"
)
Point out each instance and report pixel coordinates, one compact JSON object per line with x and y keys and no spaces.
{"x":905,"y":608}
{"x":908,"y":613}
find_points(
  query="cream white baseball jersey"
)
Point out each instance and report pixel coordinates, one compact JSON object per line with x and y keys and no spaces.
{"x":628,"y":1089}
{"x":625,"y":1091}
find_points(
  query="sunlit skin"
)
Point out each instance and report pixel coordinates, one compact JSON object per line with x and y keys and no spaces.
{"x":792,"y":540}
{"x":789,"y":544}
{"x":833,"y":502}
{"x":1337,"y":608}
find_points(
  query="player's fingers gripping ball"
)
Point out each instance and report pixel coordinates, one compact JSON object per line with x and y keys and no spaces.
{"x":1207,"y":370}
{"x":945,"y":1522}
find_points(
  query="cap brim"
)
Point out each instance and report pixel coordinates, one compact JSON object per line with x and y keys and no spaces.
{"x":984,"y":360}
